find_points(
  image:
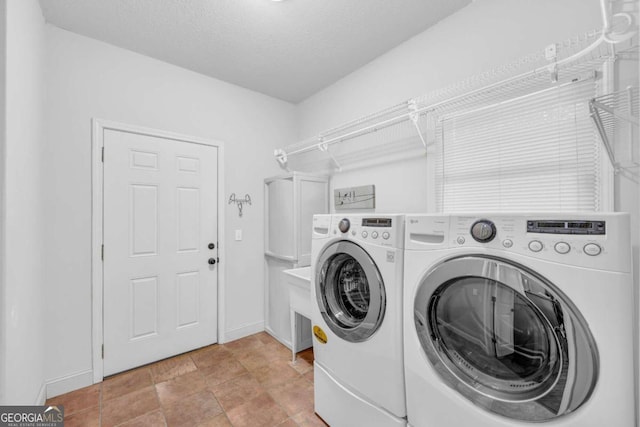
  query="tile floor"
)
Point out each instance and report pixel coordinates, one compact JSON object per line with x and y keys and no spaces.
{"x":248,"y":382}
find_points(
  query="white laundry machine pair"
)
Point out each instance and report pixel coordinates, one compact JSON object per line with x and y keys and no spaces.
{"x":514,"y":319}
{"x":356,"y":294}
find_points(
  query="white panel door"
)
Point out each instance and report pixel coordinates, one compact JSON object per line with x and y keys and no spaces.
{"x":160,"y":217}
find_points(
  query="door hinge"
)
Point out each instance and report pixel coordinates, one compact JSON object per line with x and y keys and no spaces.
{"x":103,"y":351}
{"x":102,"y":154}
{"x":102,"y":253}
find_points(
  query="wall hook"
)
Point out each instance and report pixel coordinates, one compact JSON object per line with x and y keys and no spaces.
{"x":239,"y":202}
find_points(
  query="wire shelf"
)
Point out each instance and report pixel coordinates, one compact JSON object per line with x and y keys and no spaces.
{"x":616,"y":118}
{"x":408,"y":129}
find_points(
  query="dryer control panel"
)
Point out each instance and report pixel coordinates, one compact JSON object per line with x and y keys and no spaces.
{"x":593,"y":240}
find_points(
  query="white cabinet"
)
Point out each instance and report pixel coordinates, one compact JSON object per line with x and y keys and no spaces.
{"x":291,"y":200}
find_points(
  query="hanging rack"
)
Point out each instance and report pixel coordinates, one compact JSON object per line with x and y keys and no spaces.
{"x":557,"y":64}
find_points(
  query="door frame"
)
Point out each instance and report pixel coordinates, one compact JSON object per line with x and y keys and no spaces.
{"x":97,"y":225}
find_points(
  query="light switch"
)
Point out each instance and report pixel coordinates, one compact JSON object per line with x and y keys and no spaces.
{"x":238,"y":235}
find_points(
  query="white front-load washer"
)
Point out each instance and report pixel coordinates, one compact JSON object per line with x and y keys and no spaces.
{"x":356,"y":296}
{"x":514,"y":319}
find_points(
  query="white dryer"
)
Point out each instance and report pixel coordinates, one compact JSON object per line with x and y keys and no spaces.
{"x":356,"y":295}
{"x":511,"y":319}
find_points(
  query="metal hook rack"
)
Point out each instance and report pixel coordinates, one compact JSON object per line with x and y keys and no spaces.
{"x":240,"y":202}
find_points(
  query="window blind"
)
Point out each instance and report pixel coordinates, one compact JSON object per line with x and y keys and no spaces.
{"x":538,"y":152}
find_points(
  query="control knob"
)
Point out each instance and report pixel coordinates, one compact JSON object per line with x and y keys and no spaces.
{"x":344,"y":225}
{"x":483,"y":231}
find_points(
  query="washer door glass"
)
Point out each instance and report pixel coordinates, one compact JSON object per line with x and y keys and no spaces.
{"x":349,"y":291}
{"x":511,"y":337}
{"x":496,"y":336}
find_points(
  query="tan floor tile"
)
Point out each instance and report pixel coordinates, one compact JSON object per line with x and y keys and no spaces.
{"x":129,"y":406}
{"x":219,"y":421}
{"x":196,"y":409}
{"x":309,"y":376}
{"x":301,"y":365}
{"x":294,"y":396}
{"x":155,"y":419}
{"x":225,"y":370}
{"x":288,"y":423}
{"x":237,"y":391}
{"x":126,"y":382}
{"x":87,"y":418}
{"x":258,"y":412}
{"x":252,"y":379}
{"x":78,"y":400}
{"x":170,"y":368}
{"x":253,"y":359}
{"x":309,"y":419}
{"x":180,"y":387}
{"x":244,"y":344}
{"x":276,"y":351}
{"x":265,"y":338}
{"x":209,"y":356}
{"x":276,"y":373}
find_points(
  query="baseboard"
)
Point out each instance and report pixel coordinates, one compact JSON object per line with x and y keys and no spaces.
{"x":243,"y":331}
{"x":42,"y":395}
{"x":69,"y":383}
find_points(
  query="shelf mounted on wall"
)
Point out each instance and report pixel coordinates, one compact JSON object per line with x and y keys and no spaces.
{"x":409,"y":129}
{"x":616,"y":118}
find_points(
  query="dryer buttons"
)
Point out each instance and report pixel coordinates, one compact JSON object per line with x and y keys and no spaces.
{"x":386,"y":235}
{"x":460,"y":240}
{"x":592,"y":249}
{"x":507,"y":243}
{"x":535,"y":245}
{"x":374,"y":234}
{"x":365,"y":234}
{"x":562,"y":248}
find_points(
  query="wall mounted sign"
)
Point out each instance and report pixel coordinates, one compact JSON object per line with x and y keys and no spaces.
{"x":363,"y":197}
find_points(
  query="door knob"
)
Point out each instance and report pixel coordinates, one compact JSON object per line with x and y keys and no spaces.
{"x":211,"y":246}
{"x":212,"y":261}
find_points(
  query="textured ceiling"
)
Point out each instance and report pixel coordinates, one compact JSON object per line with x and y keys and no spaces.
{"x":289,"y":49}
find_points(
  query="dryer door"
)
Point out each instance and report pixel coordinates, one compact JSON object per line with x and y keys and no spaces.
{"x":505,"y":338}
{"x":349,"y":291}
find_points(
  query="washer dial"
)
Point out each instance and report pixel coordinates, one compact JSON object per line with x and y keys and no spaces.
{"x":483,"y":231}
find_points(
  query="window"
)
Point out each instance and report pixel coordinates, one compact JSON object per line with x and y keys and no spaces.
{"x":538,"y":152}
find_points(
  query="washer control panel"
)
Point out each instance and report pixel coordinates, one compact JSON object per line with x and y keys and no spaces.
{"x":383,"y":230}
{"x":589,"y":239}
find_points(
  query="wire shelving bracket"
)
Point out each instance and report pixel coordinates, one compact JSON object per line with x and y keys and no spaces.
{"x":615,"y":113}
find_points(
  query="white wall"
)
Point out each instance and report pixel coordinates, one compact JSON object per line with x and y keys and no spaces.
{"x":480,"y":37}
{"x":85,"y":79}
{"x":22,"y":348}
{"x":3,"y":167}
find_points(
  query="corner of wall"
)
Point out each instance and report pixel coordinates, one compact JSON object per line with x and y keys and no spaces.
{"x":3,"y":133}
{"x":22,"y":326}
